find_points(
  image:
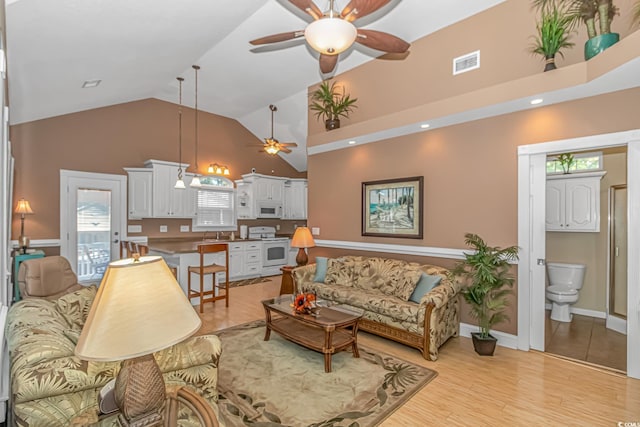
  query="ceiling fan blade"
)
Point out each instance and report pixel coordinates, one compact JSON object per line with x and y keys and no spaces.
{"x":328,"y":63}
{"x":308,"y":6}
{"x":382,"y":41}
{"x":285,"y":150}
{"x":359,"y":8}
{"x":275,"y":38}
{"x":288,"y":144}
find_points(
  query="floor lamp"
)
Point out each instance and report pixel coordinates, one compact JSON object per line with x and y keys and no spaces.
{"x":139,"y":309}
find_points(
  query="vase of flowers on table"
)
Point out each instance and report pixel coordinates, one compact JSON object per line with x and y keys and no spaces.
{"x":304,"y":303}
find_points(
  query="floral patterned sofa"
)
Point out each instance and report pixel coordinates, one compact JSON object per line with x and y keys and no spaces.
{"x":51,"y":387}
{"x":414,"y":304}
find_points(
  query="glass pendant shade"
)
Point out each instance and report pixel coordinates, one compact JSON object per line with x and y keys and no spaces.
{"x":179,"y":184}
{"x":330,"y":36}
{"x":195,"y":182}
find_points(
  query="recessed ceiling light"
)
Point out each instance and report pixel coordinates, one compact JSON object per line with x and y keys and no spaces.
{"x":536,"y":101}
{"x":351,"y":142}
{"x":425,"y":125}
{"x":90,"y":83}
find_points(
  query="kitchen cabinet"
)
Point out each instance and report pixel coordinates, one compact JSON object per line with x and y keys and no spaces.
{"x":244,"y":201}
{"x":167,"y":201}
{"x":139,"y":194}
{"x":244,"y":260}
{"x":573,"y":202}
{"x":295,"y":199}
{"x":267,"y":188}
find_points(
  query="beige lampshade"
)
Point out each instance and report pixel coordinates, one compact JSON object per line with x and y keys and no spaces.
{"x":23,"y":207}
{"x":302,"y":238}
{"x":139,"y":309}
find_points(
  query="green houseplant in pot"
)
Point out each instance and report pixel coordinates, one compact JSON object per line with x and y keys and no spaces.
{"x":596,"y":16}
{"x":329,"y":103}
{"x":485,"y":272}
{"x":554,"y":31}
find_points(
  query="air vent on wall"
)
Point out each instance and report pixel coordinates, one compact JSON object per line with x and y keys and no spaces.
{"x":468,"y":62}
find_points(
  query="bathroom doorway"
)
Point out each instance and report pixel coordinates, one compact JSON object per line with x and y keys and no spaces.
{"x":588,"y":336}
{"x":531,"y":237}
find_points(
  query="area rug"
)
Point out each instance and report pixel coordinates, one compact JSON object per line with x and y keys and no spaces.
{"x":248,"y":282}
{"x":279,"y":383}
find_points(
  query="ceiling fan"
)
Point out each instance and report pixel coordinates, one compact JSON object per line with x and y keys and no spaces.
{"x":273,"y":146}
{"x":333,"y":32}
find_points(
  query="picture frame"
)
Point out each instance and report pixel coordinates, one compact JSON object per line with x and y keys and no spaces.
{"x":393,"y":208}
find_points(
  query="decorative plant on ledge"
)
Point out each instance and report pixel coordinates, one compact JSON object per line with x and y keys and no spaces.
{"x":488,"y":283}
{"x":329,"y":104}
{"x":590,"y":12}
{"x":554,"y":30}
{"x":566,"y":160}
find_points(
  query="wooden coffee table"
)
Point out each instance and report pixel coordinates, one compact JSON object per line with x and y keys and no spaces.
{"x":325,"y":332}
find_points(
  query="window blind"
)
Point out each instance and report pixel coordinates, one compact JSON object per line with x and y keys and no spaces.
{"x":215,"y":208}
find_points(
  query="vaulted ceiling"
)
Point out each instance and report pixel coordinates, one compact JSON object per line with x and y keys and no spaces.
{"x":137,"y":48}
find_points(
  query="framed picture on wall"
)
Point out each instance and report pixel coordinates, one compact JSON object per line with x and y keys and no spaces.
{"x":393,"y":208}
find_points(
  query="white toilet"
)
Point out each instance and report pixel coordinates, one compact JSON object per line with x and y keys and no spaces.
{"x":565,"y":280}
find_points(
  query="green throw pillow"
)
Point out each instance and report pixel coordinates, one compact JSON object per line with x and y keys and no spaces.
{"x":321,"y":269}
{"x":425,"y":284}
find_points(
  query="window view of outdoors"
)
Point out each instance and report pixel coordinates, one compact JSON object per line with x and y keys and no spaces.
{"x":94,"y":233}
{"x":581,"y":162}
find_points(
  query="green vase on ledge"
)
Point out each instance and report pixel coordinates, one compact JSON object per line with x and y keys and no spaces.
{"x":597,"y":44}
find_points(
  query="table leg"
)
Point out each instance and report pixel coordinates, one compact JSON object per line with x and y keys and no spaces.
{"x":354,"y":345}
{"x":328,"y":348}
{"x":267,"y":332}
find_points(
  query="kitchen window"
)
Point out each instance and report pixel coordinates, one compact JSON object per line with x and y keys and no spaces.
{"x":215,"y":206}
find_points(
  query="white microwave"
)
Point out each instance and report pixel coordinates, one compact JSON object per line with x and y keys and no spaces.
{"x":269,"y":209}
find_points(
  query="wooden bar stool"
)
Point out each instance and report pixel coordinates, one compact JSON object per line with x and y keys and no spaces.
{"x":212,"y":269}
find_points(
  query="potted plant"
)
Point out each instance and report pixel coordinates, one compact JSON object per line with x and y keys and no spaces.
{"x":330,"y":104}
{"x":487,"y":285}
{"x":590,"y":12}
{"x":566,"y":160}
{"x":554,"y":30}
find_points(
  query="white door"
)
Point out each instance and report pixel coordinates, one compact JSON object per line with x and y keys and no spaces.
{"x":92,"y":221}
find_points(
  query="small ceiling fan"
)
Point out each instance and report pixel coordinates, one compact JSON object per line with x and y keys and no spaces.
{"x":332,"y":32}
{"x":273,"y":146}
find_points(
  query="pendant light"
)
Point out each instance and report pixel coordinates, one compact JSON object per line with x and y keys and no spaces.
{"x":180,"y":183}
{"x":195,"y":182}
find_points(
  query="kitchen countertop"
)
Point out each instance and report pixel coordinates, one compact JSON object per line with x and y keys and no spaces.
{"x":185,"y":246}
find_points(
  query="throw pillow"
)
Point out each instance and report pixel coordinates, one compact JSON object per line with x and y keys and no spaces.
{"x":76,"y":305}
{"x":321,"y":269}
{"x":425,"y":284}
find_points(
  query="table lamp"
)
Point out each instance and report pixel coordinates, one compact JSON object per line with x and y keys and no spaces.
{"x":302,"y":239}
{"x":139,"y":309}
{"x":23,"y":208}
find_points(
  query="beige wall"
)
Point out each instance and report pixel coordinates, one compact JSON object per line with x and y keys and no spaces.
{"x":591,"y":249}
{"x":106,"y":140}
{"x":470,"y":172}
{"x":503,"y":34}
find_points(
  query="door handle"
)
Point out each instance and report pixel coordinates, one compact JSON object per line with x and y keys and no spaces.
{"x":116,"y":241}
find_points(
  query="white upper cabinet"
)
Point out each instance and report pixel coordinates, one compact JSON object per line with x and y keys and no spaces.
{"x":140,"y":184}
{"x":295,"y":199}
{"x":267,"y":188}
{"x":573,"y":202}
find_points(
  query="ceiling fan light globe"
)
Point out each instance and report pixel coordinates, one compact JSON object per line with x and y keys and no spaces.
{"x":330,"y":36}
{"x":272,"y":149}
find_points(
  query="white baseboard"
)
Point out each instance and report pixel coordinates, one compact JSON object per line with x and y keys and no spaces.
{"x":583,"y":312}
{"x":504,"y":339}
{"x":617,"y":324}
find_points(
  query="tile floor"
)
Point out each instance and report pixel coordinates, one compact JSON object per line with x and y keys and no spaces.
{"x":586,"y":339}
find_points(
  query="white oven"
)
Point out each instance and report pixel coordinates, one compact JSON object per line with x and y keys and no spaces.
{"x":275,"y":250}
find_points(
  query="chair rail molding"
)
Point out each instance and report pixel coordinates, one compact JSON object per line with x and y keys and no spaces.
{"x":394,"y":249}
{"x":41,"y":243}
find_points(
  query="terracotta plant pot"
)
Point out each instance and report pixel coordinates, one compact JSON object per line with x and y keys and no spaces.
{"x":483,"y":346}
{"x":599,"y":43}
{"x":332,"y":124}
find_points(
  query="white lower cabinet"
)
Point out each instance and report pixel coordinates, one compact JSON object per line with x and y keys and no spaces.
{"x":245,"y":260}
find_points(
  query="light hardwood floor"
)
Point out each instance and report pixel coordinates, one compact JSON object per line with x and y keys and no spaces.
{"x":512,"y":388}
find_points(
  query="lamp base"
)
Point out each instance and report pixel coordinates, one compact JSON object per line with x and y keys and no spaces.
{"x":23,"y":243}
{"x":140,"y":392}
{"x":301,"y":258}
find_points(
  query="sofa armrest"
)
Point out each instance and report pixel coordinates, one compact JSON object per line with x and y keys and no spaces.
{"x":302,"y":275}
{"x":441,"y":294}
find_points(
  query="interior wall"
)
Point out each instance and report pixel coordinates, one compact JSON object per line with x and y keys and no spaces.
{"x":105,"y":140}
{"x":470,"y":172}
{"x":425,"y":74}
{"x":591,"y":249}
